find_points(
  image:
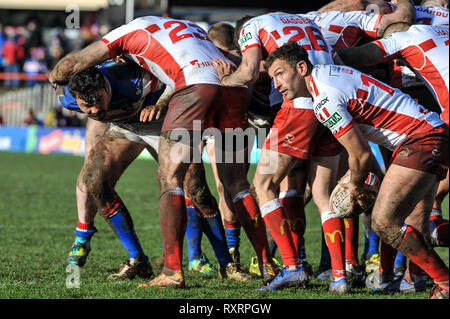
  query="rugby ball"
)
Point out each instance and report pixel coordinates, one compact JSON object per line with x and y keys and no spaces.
{"x":340,"y":197}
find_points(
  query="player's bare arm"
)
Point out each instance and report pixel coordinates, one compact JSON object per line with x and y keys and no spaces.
{"x":360,"y":57}
{"x":246,"y":73}
{"x":93,"y":54}
{"x":343,"y":5}
{"x":377,"y":6}
{"x":159,"y":108}
{"x":359,"y":161}
{"x":405,"y":12}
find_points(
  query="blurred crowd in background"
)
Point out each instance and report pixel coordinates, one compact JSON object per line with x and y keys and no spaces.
{"x":28,"y":52}
{"x":33,"y":41}
{"x":32,"y":50}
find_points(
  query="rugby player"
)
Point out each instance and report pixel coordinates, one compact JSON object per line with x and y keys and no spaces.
{"x":221,"y":34}
{"x":259,"y":118}
{"x":424,"y":49}
{"x":431,"y":12}
{"x":342,"y":29}
{"x":180,"y":54}
{"x":257,"y":37}
{"x":367,"y":109}
{"x":346,"y":28}
{"x":107,"y":158}
{"x":129,"y":90}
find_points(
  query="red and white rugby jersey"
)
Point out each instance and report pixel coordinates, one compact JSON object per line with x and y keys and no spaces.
{"x":386,"y":116}
{"x":177,"y":52}
{"x":425,"y":49}
{"x":345,"y":29}
{"x":429,"y":15}
{"x":272,"y":30}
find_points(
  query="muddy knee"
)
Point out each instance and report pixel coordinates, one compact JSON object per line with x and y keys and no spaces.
{"x":389,"y":233}
{"x":97,"y":183}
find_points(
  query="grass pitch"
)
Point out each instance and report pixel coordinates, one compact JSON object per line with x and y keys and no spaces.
{"x":37,"y":201}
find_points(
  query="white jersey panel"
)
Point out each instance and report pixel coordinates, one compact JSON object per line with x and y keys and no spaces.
{"x":178,"y":52}
{"x":426,"y":50}
{"x":386,"y":116}
{"x":429,"y":15}
{"x":345,"y":29}
{"x":270,"y":31}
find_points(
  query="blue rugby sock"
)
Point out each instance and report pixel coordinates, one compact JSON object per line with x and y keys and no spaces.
{"x":193,"y":233}
{"x":302,"y":253}
{"x":120,"y":221}
{"x":400,"y":259}
{"x":366,"y":242}
{"x":214,"y":230}
{"x":233,"y":235}
{"x":374,"y":241}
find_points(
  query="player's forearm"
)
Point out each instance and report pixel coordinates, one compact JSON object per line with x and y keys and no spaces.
{"x":164,"y":99}
{"x":359,"y":165}
{"x":360,"y":57}
{"x":63,"y":70}
{"x":77,"y":61}
{"x":242,"y":76}
{"x":349,"y":57}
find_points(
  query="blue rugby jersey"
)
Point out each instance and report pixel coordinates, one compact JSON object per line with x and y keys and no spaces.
{"x":128,"y":86}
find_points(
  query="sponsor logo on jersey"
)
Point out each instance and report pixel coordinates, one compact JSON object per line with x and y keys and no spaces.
{"x":246,"y":37}
{"x":201,"y":64}
{"x":322,"y":102}
{"x":337,"y":70}
{"x":333,"y":120}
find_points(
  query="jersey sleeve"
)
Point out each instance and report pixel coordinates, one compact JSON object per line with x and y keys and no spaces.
{"x":392,"y":45}
{"x":330,"y":108}
{"x":366,"y":22}
{"x":126,"y":39}
{"x":249,"y":36}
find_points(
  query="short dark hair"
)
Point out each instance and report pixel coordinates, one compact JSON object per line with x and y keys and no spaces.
{"x":87,"y":84}
{"x":292,"y":53}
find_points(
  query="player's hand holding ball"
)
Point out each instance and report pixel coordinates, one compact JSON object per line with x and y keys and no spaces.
{"x":349,"y":200}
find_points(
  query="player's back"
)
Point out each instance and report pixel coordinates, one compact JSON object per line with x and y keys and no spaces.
{"x":271,"y":31}
{"x":385,"y":115}
{"x":178,"y":52}
{"x":345,"y":29}
{"x":425,"y":49}
{"x":431,"y":15}
{"x":428,"y":15}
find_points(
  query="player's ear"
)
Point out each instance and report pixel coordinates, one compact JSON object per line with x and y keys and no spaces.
{"x":302,"y":68}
